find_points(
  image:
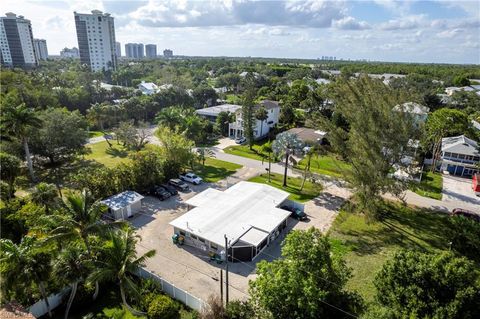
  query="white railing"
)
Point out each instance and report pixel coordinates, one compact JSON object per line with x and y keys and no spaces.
{"x":174,"y":292}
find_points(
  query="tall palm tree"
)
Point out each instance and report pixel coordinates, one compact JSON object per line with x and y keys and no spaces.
{"x":45,"y":194}
{"x":170,"y":117}
{"x":72,"y":264}
{"x":285,"y":144}
{"x":313,"y":151}
{"x":81,"y":221}
{"x":261,"y":114}
{"x":121,"y":264}
{"x":17,"y":122}
{"x":20,"y":265}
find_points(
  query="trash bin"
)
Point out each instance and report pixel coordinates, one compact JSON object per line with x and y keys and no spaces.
{"x":175,"y":238}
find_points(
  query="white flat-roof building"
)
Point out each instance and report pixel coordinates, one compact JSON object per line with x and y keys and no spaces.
{"x":211,"y":113}
{"x":123,"y":205}
{"x":247,"y":213}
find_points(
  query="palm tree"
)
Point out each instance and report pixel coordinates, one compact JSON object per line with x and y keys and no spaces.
{"x":170,"y":117}
{"x":20,"y":265}
{"x":97,"y":114}
{"x":313,"y":151}
{"x":17,"y":121}
{"x":82,"y":220}
{"x":262,"y":115}
{"x":267,"y":148}
{"x":285,"y":144}
{"x":203,"y":153}
{"x":121,"y":263}
{"x":72,"y":264}
{"x":45,"y":194}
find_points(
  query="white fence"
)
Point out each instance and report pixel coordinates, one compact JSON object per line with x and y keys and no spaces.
{"x":39,"y":308}
{"x":174,"y":292}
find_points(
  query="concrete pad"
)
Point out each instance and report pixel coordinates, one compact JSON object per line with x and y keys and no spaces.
{"x":459,"y":190}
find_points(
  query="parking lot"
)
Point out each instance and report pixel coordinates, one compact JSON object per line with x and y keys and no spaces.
{"x":189,"y":268}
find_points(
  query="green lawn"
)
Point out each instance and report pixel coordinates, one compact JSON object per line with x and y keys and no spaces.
{"x":233,"y":99}
{"x":430,"y":186}
{"x":245,"y":151}
{"x":366,"y":246}
{"x":107,"y":156}
{"x":309,"y":192}
{"x":326,"y":165}
{"x":215,"y":170}
{"x":95,"y":134}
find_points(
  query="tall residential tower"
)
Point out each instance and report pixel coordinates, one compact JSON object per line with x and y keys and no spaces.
{"x":16,"y":42}
{"x":41,"y":50}
{"x":134,"y":50}
{"x":96,"y":40}
{"x":151,"y":51}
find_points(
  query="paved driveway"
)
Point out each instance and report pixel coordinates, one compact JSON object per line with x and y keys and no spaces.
{"x":188,"y":267}
{"x":459,"y":190}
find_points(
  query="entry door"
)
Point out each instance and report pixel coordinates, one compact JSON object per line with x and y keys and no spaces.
{"x":129,"y":211}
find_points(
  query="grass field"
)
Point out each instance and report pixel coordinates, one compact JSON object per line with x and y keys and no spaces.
{"x":366,"y":246}
{"x":245,"y":151}
{"x":215,"y":170}
{"x":233,"y":99}
{"x":430,"y":186}
{"x":107,"y":156}
{"x":326,"y":165}
{"x":309,"y":192}
{"x":95,"y":134}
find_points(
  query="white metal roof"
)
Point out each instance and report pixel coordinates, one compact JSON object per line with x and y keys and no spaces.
{"x":234,"y":212}
{"x":215,"y":110}
{"x":460,"y":145}
{"x":122,"y":199}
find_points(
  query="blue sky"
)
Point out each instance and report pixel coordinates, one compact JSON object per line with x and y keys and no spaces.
{"x":385,"y":30}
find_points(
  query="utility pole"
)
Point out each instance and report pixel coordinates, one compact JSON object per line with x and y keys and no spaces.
{"x":226,"y":270}
{"x":221,"y":285}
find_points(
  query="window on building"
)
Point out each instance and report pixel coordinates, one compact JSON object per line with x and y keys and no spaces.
{"x":447,"y":154}
{"x":201,"y":239}
{"x":193,"y":236}
{"x":213,"y":246}
{"x":182,"y":233}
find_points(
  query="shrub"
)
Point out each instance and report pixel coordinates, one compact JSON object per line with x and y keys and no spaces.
{"x":163,"y":307}
{"x":237,"y":309}
{"x":464,"y":234}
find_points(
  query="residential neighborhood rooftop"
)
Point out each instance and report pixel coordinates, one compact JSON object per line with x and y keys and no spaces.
{"x":413,"y":108}
{"x":460,"y":145}
{"x":217,"y":109}
{"x":245,"y":210}
{"x":308,"y":134}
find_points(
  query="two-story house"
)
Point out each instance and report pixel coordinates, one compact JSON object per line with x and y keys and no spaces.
{"x":260,"y":128}
{"x":460,"y":156}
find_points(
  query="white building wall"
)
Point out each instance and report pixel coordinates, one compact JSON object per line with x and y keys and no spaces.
{"x":27,"y":41}
{"x":101,"y":40}
{"x":41,"y":50}
{"x":4,"y":45}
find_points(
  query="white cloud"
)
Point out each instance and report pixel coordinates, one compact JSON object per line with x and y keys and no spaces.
{"x":350,"y":23}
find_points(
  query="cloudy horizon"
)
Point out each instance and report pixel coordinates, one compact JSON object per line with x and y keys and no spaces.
{"x":396,"y":31}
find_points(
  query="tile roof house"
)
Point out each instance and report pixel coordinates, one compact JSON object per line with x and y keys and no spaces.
{"x":460,"y":156}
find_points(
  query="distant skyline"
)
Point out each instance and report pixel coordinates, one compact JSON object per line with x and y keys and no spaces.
{"x":386,"y":30}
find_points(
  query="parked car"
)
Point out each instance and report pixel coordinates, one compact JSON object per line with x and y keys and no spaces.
{"x":296,"y":213}
{"x":178,"y":184}
{"x":172,"y":190}
{"x":160,"y":192}
{"x":191,"y":178}
{"x":240,"y":140}
{"x":465,"y":213}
